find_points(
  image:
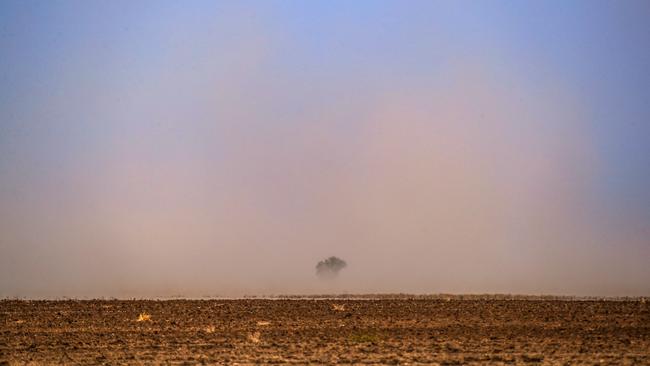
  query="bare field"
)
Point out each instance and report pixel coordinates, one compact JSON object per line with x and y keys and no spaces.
{"x":437,"y":330}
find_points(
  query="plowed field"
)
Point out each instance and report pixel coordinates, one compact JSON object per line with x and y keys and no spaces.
{"x":448,"y":331}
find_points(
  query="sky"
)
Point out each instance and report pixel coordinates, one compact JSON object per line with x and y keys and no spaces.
{"x":223,"y":148}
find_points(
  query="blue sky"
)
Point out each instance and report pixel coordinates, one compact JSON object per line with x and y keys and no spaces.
{"x":278,"y":104}
{"x":597,"y":48}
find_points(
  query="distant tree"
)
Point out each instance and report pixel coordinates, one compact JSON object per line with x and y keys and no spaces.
{"x":330,"y":267}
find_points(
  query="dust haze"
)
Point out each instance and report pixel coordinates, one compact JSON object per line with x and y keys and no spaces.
{"x":230,"y":168}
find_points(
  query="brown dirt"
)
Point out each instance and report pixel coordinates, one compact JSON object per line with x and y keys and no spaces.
{"x":382,"y":331}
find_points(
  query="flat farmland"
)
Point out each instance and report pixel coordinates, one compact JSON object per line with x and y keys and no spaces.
{"x":401,"y":330}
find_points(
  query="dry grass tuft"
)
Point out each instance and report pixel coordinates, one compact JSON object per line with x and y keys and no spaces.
{"x":338,"y":307}
{"x":143,"y":317}
{"x":254,"y":337}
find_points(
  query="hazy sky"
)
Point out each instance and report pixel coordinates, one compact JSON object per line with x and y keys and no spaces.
{"x":224,"y":148}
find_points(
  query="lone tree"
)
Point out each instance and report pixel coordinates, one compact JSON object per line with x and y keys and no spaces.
{"x":330,"y":267}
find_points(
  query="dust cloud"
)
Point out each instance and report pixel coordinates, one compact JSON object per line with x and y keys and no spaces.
{"x":217,"y":173}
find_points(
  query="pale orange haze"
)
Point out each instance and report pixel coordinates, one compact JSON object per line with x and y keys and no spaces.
{"x":224,"y":168}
